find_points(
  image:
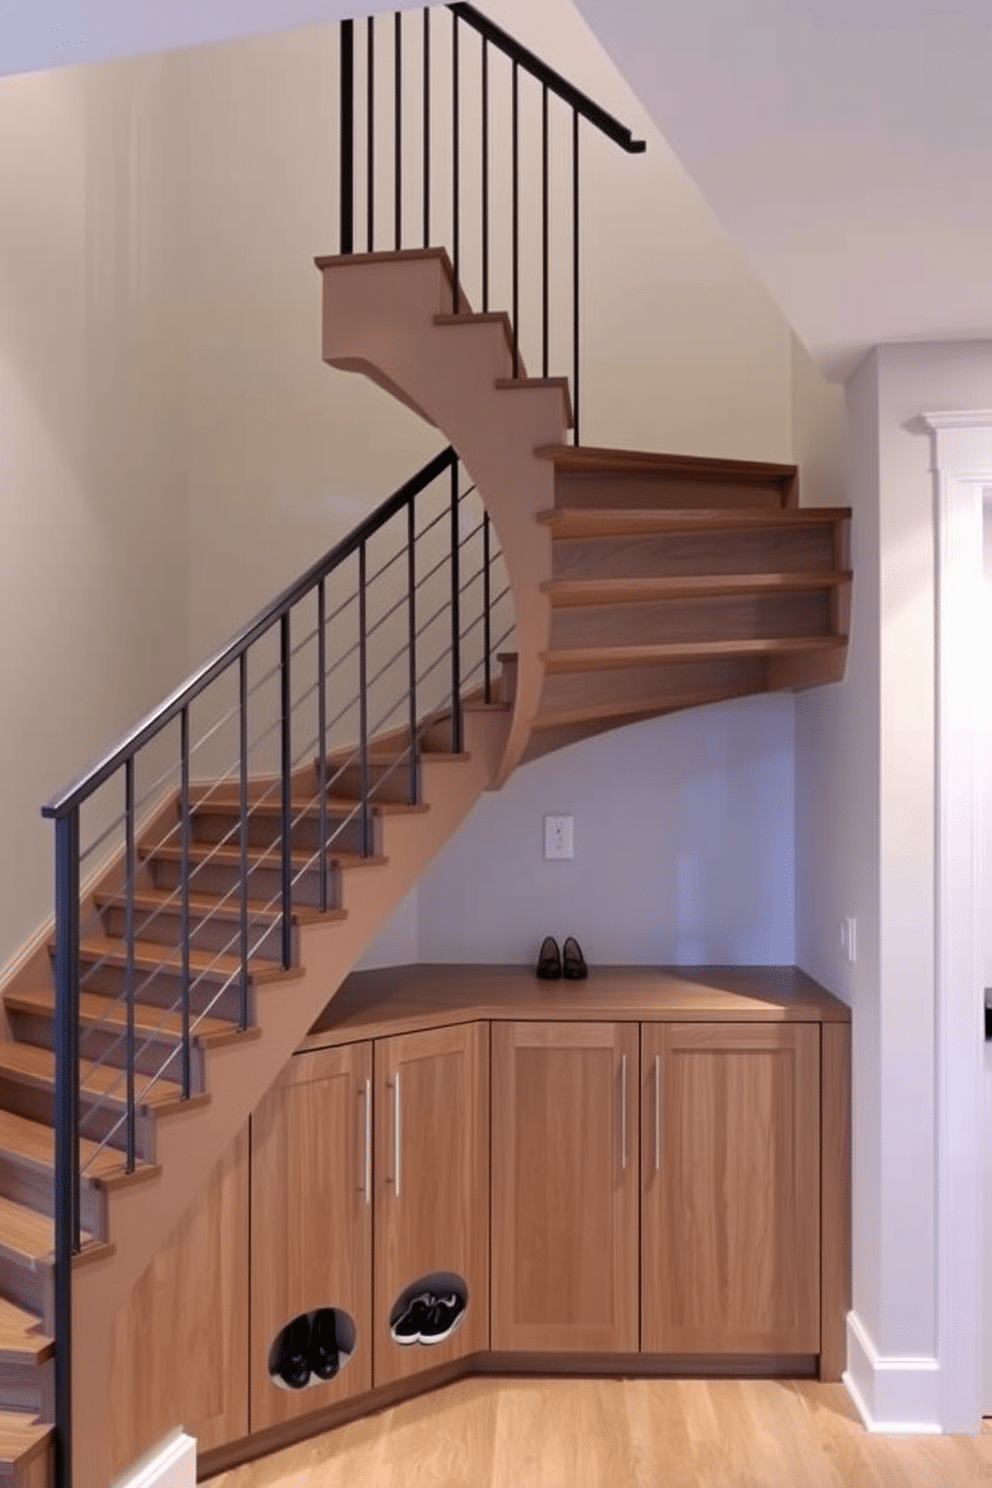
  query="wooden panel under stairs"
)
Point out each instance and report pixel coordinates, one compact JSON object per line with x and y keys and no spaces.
{"x":585,"y":476}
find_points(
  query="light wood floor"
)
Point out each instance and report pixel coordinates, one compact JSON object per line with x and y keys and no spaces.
{"x":523,"y":1433}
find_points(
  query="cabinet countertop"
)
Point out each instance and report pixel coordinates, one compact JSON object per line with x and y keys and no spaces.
{"x":403,"y":999}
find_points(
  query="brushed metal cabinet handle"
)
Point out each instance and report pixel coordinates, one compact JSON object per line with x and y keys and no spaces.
{"x":367,"y":1158}
{"x":396,"y":1132}
{"x":657,"y":1113}
{"x":623,"y":1112}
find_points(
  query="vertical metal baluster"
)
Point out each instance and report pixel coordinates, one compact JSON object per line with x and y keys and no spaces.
{"x":544,"y":226}
{"x":129,"y":869}
{"x":322,"y":736}
{"x":454,"y":163}
{"x":411,"y":569}
{"x":363,"y":705}
{"x":286,"y":767}
{"x":485,"y":174}
{"x":347,"y":136}
{"x":487,"y":639}
{"x":398,"y":125}
{"x":575,"y":276}
{"x":370,"y":129}
{"x":243,"y":831}
{"x":515,"y":132}
{"x":427,"y":127}
{"x":184,"y":890}
{"x":67,"y":1233}
{"x":456,"y":673}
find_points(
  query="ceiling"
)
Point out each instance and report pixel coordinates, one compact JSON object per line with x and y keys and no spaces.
{"x":845,"y":144}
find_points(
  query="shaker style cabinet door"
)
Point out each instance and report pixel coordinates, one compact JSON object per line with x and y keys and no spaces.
{"x":311,"y":1235}
{"x":565,"y":1186}
{"x":730,"y":1202}
{"x":431,"y":1198}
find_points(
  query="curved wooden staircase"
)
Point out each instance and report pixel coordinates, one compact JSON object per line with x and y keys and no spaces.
{"x":643,"y":583}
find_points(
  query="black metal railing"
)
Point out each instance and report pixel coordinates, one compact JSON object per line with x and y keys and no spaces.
{"x":472,"y":119}
{"x":377,"y":643}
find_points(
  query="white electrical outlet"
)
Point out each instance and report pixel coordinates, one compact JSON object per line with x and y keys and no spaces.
{"x":558,"y":837}
{"x":849,"y":937}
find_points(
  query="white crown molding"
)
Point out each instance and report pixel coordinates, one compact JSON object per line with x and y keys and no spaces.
{"x":962,"y":418}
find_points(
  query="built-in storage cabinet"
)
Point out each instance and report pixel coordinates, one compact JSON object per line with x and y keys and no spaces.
{"x":311,"y":1226}
{"x":730,"y":1188}
{"x":565,"y":1187}
{"x":431,"y":1190}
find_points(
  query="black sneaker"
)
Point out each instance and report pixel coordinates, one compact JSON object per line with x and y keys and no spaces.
{"x":407,"y":1327}
{"x":443,"y":1318}
{"x":293,"y":1368}
{"x":323,"y":1355}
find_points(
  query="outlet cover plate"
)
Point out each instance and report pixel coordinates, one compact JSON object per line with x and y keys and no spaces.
{"x":559,"y":837}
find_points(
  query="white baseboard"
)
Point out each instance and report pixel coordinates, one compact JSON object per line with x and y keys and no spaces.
{"x":170,"y":1464}
{"x":895,"y":1395}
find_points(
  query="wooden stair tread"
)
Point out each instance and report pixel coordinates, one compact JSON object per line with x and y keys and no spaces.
{"x":21,"y":1440}
{"x":25,"y":1235}
{"x":583,"y":658}
{"x":29,"y":1064}
{"x":226,"y":908}
{"x":588,"y":459}
{"x":569,"y":592}
{"x":151,"y":956}
{"x":302,"y":808}
{"x":199,"y":852}
{"x":148,"y":1019}
{"x":33,"y":1144}
{"x":21,"y":1338}
{"x":650,"y":707}
{"x":588,"y":522}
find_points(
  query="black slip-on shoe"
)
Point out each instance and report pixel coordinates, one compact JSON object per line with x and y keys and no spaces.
{"x":323,"y":1355}
{"x":573,"y":962}
{"x":549,"y":960}
{"x":293,"y":1367}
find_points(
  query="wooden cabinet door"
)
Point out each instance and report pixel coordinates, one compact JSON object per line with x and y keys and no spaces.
{"x":565,"y":1186}
{"x":311,"y":1220}
{"x":730,"y":1204}
{"x":431,"y":1184}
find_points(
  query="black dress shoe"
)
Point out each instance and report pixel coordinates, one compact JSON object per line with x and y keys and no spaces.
{"x":323,"y":1355}
{"x":549,"y":960}
{"x":575,"y":968}
{"x":293,"y":1367}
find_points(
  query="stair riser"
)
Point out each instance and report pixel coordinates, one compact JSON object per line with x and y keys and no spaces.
{"x":629,"y":491}
{"x":163,"y":989}
{"x":30,"y":1287}
{"x":386,"y":782}
{"x":210,"y":934}
{"x":97,"y":1121}
{"x":29,"y":1388}
{"x":799,"y":549}
{"x":264,"y":882}
{"x":153,"y":1055}
{"x":750,"y":617}
{"x":221,"y":826}
{"x":35,"y":1190}
{"x":626,"y":684}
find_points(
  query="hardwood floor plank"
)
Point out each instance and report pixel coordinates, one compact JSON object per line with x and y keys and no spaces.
{"x":493,"y":1432}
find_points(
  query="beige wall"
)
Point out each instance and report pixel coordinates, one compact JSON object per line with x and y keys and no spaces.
{"x":178,"y":452}
{"x":93,"y":585}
